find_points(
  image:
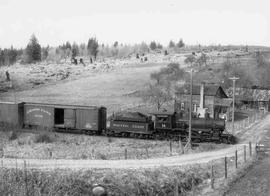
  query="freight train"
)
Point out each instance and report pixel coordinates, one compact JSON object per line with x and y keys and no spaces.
{"x":93,"y":120}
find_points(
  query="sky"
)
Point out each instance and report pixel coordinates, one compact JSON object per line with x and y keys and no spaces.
{"x":205,"y":22}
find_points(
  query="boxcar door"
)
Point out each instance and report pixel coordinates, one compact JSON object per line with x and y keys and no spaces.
{"x":69,"y":118}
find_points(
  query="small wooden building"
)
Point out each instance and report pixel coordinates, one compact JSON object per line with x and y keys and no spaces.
{"x":210,"y":98}
{"x":255,"y":98}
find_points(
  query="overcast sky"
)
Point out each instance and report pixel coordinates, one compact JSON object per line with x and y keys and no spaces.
{"x":134,"y":21}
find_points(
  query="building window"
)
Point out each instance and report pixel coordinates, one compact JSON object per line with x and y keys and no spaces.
{"x":182,"y":106}
{"x":194,"y":107}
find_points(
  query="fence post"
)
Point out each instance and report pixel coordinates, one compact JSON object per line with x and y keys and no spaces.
{"x":125,"y":153}
{"x":245,"y":154}
{"x":250,"y":149}
{"x":248,"y":121}
{"x":212,"y":176}
{"x":176,"y":191}
{"x":181,"y":146}
{"x":255,"y":150}
{"x":225,"y":166}
{"x":25,"y":178}
{"x":16,"y":166}
{"x":170,"y":148}
{"x":236,"y":159}
{"x":2,"y":164}
{"x":93,"y":153}
{"x":146,"y":149}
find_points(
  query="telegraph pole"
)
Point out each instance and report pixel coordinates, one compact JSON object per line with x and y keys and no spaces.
{"x":188,"y":144}
{"x":233,"y":79}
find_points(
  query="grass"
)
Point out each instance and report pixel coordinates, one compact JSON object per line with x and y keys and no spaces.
{"x":43,"y":138}
{"x":47,"y":145}
{"x":159,"y":181}
{"x":13,"y":135}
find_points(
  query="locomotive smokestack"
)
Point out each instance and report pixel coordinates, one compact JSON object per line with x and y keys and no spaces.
{"x":202,"y":95}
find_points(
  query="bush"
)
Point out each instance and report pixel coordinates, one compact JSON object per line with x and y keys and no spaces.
{"x":43,"y":138}
{"x":13,"y":135}
{"x":101,"y":156}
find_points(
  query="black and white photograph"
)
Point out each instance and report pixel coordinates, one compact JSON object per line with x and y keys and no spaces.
{"x":134,"y":97}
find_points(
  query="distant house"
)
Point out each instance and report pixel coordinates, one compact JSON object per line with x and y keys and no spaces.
{"x":209,"y":99}
{"x":255,"y":98}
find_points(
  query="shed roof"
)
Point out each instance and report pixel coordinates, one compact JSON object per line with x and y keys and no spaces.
{"x":248,"y":94}
{"x":209,"y":90}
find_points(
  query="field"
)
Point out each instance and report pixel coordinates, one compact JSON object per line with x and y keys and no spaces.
{"x":111,"y":84}
{"x":158,"y":181}
{"x":42,"y":145}
{"x":109,"y":89}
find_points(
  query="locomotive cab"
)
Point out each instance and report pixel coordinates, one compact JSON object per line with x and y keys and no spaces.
{"x":164,"y":120}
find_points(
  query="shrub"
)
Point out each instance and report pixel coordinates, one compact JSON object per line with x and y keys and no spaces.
{"x":43,"y":138}
{"x":13,"y":135}
{"x":110,"y":140}
{"x":83,"y":156}
{"x":101,"y":156}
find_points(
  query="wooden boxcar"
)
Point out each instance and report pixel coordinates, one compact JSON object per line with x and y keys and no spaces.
{"x":11,"y":113}
{"x":88,"y":118}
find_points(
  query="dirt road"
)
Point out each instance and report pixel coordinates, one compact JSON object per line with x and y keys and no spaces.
{"x":257,"y":131}
{"x":123,"y":164}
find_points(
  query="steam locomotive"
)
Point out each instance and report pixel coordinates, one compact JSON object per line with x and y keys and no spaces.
{"x":169,"y":125}
{"x":93,"y":120}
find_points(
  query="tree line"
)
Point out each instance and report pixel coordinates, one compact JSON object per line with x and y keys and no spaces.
{"x":34,"y":52}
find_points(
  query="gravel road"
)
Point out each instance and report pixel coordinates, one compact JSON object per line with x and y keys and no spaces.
{"x":252,"y":134}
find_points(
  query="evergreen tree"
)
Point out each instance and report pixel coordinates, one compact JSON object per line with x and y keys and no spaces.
{"x":33,"y":50}
{"x":44,"y":53}
{"x":74,"y":50}
{"x":159,"y":46}
{"x":153,"y":45}
{"x":171,"y":44}
{"x":12,"y":55}
{"x":1,"y":57}
{"x":180,"y":44}
{"x":115,"y":44}
{"x":92,"y":47}
{"x":68,"y":45}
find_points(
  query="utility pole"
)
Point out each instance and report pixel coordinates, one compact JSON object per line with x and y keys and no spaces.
{"x":233,"y":79}
{"x":188,"y":144}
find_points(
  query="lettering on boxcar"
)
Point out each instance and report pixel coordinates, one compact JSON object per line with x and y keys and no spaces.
{"x":138,"y":126}
{"x":38,"y":110}
{"x":120,"y":125}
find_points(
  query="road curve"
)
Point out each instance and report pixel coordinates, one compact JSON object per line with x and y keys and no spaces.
{"x":185,"y":159}
{"x":257,"y":130}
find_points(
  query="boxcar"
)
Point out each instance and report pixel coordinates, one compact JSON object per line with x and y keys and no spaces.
{"x":89,"y":118}
{"x":11,"y":113}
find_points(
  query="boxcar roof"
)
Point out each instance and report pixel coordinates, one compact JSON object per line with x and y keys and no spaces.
{"x":64,"y":106}
{"x":3,"y":102}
